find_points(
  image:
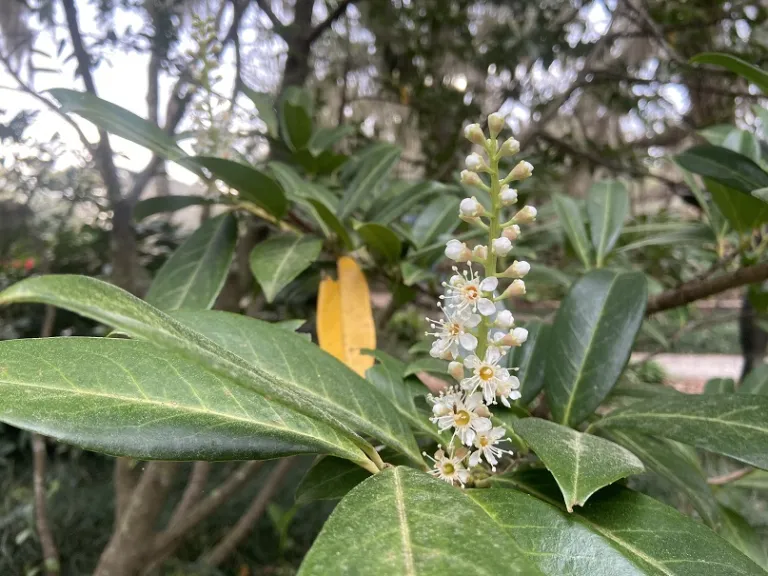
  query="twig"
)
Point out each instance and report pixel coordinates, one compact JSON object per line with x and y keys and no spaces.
{"x":198,"y":478}
{"x":267,"y":9}
{"x":730,"y":477}
{"x":246,"y":522}
{"x":332,"y":17}
{"x":703,"y":288}
{"x":51,"y":561}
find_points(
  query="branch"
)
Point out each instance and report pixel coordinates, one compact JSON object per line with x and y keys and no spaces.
{"x":332,"y":17}
{"x":244,"y":525}
{"x":704,"y":288}
{"x":730,"y":477}
{"x":198,"y":478}
{"x":267,"y":9}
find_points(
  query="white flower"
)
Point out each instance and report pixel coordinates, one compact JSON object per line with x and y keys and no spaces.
{"x":471,"y":178}
{"x":449,"y":468}
{"x":452,"y":332}
{"x":457,"y":251}
{"x":464,"y":292}
{"x":486,"y":446}
{"x":444,"y":403}
{"x":474,"y":162}
{"x":510,"y":147}
{"x":517,"y":288}
{"x":496,"y":123}
{"x":469,"y":418}
{"x":508,"y":390}
{"x":456,"y":369}
{"x":517,"y":337}
{"x":508,"y":195}
{"x":518,"y":269}
{"x":502,"y":246}
{"x":470,"y":207}
{"x":504,"y":319}
{"x":474,"y":133}
{"x":486,"y":374}
{"x":480,"y":253}
{"x":521,"y":171}
{"x":527,"y":214}
{"x":511,"y":232}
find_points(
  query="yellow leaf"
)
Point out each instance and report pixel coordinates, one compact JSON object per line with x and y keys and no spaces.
{"x":345,"y":318}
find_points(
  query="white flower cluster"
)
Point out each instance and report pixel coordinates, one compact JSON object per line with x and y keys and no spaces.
{"x":477,"y":331}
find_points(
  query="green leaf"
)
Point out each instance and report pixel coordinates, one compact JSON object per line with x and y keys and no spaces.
{"x":253,"y":185}
{"x":688,"y":234}
{"x":591,"y":340}
{"x":734,"y":425}
{"x":265,"y":106}
{"x":738,"y":532}
{"x":329,"y":478}
{"x":668,"y":460}
{"x":297,"y":187}
{"x":332,"y":222}
{"x":295,"y":120}
{"x":438,"y":218}
{"x":743,"y":212}
{"x":413,"y":274}
{"x":392,"y":524}
{"x":618,"y":533}
{"x":195,"y":273}
{"x":276,"y":363}
{"x":324,"y":138}
{"x":719,"y":386}
{"x":725,"y":166}
{"x":580,"y":463}
{"x":118,"y":121}
{"x":607,"y":208}
{"x":542,"y":274}
{"x":743,"y":142}
{"x":279,"y":260}
{"x":371,"y":174}
{"x":128,"y":398}
{"x":755,"y":480}
{"x":569,"y":213}
{"x":427,"y":364}
{"x":159,"y":204}
{"x":413,"y":196}
{"x":381,"y":240}
{"x":531,"y":359}
{"x":290,"y":325}
{"x":736,"y":65}
{"x":756,"y":382}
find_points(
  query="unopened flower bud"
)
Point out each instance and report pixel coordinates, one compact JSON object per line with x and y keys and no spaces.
{"x":462,"y":451}
{"x":470,"y":207}
{"x":456,"y":370}
{"x":518,"y":269}
{"x":475,"y":162}
{"x":457,"y":251}
{"x":517,"y":337}
{"x":517,"y":288}
{"x":525,"y":215}
{"x":508,"y":195}
{"x":480,"y":253}
{"x":510,"y":147}
{"x":505,"y":320}
{"x":474,"y":134}
{"x":496,"y":124}
{"x":483,"y":411}
{"x":511,"y":232}
{"x":502,"y":246}
{"x":471,"y":178}
{"x":521,"y":171}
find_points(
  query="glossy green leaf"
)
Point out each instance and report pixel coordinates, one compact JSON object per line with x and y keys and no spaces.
{"x":734,"y":425}
{"x":743,"y":142}
{"x":381,"y":240}
{"x":607,"y":208}
{"x":591,"y":340}
{"x":333,"y":223}
{"x":719,"y":386}
{"x":569,"y":213}
{"x":276,"y":363}
{"x":427,"y":364}
{"x":439,"y":217}
{"x":409,"y":199}
{"x":128,"y":398}
{"x":617,"y":533}
{"x":118,"y":121}
{"x":195,"y":273}
{"x":265,"y":106}
{"x":668,"y":459}
{"x":725,"y":166}
{"x":756,"y":382}
{"x":324,"y":138}
{"x":402,"y":522}
{"x":744,"y":213}
{"x":279,"y":260}
{"x":688,"y":234}
{"x":373,"y":171}
{"x":542,"y":274}
{"x":297,"y":187}
{"x":530,"y":359}
{"x":253,"y":185}
{"x":295,"y":119}
{"x":160,"y":204}
{"x":581,"y":463}
{"x":738,"y":532}
{"x":413,"y":274}
{"x":329,"y":478}
{"x":736,"y":65}
{"x":290,"y":325}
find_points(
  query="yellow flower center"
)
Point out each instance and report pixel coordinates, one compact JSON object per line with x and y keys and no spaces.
{"x":462,"y":418}
{"x":483,"y":441}
{"x":448,"y":469}
{"x":471,"y":292}
{"x":486,"y":373}
{"x":454,"y":329}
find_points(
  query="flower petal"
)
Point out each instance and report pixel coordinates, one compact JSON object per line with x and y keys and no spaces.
{"x":492,"y":355}
{"x":489,"y":284}
{"x":486,"y":307}
{"x":473,"y":320}
{"x":468,"y":341}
